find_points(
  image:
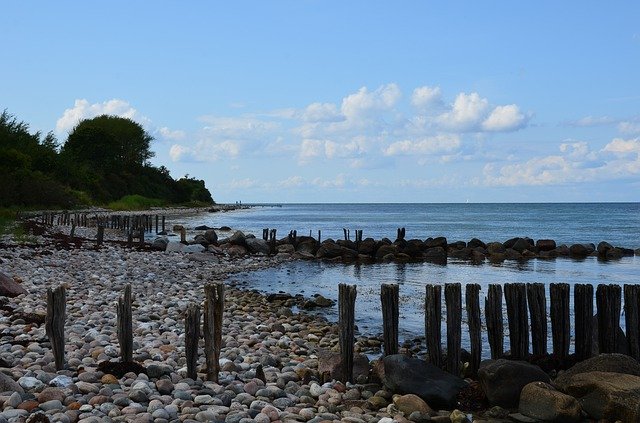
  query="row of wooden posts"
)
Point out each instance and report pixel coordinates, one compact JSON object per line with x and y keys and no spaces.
{"x":212,"y":328}
{"x":112,"y":221}
{"x":526,"y":307}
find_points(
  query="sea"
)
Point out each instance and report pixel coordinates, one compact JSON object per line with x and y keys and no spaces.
{"x":566,"y":223}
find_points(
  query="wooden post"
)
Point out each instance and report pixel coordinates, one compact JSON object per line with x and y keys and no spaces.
{"x":631,"y":298}
{"x":213,"y":316}
{"x":157,"y":224}
{"x":560,"y":324}
{"x":433,"y":323}
{"x":141,"y":234}
{"x":346,"y":234}
{"x":472,"y":300}
{"x":583,"y":309}
{"x":130,"y":239}
{"x":191,"y":338}
{"x":537,"y":300}
{"x":319,"y":236}
{"x":453,"y":298}
{"x":495,"y":324}
{"x":265,"y":234}
{"x":608,"y":299}
{"x":125,"y":325}
{"x":54,"y":324}
{"x":73,"y":230}
{"x":100,"y":235}
{"x":346,"y":325}
{"x":515,"y":295}
{"x":163,"y":217}
{"x":389,"y":297}
{"x":272,"y":241}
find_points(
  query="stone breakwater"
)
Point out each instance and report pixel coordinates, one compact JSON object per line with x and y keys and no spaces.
{"x":436,"y":250}
{"x":277,"y":365}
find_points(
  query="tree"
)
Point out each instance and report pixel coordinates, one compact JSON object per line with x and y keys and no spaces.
{"x":109,"y":144}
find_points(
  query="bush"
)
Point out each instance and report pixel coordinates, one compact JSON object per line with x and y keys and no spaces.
{"x":135,"y":202}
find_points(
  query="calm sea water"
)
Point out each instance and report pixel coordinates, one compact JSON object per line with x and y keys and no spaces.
{"x":617,"y":223}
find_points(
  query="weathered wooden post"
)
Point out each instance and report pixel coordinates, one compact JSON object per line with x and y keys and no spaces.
{"x":125,"y":325}
{"x":632,"y":321}
{"x":129,"y":239}
{"x":495,"y":324}
{"x":183,"y":235}
{"x":389,"y":297}
{"x":73,"y":230}
{"x":560,"y":324}
{"x":157,"y":218}
{"x":472,"y":300}
{"x":100,"y":235}
{"x":608,"y":298}
{"x":433,"y":323}
{"x":583,"y":309}
{"x":265,"y":234}
{"x":515,"y":295}
{"x":54,"y":324}
{"x":536,"y":297}
{"x":346,"y":324}
{"x":346,"y":234}
{"x":453,"y":299}
{"x":163,"y":218}
{"x":141,"y":235}
{"x":191,"y":337}
{"x":319,"y":236}
{"x":272,"y":241}
{"x":213,"y":316}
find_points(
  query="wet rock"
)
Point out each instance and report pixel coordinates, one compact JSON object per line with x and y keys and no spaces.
{"x":9,"y":287}
{"x":542,"y":401}
{"x":502,"y":380}
{"x":611,"y":363}
{"x":411,"y":403}
{"x":406,"y":375}
{"x":210,"y":236}
{"x":545,"y":245}
{"x":7,"y":384}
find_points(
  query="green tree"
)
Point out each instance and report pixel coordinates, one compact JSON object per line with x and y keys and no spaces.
{"x":109,"y":144}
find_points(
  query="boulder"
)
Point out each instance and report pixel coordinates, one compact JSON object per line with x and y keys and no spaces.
{"x":579,"y":250}
{"x":611,"y":363}
{"x":347,"y":243}
{"x":542,"y":401}
{"x":608,"y":396}
{"x":9,"y":287}
{"x":563,"y":250}
{"x":458,"y":245}
{"x":475,"y":242}
{"x":329,"y":250}
{"x":202,"y":228}
{"x":195,"y":248}
{"x":522,"y":244}
{"x":237,"y":238}
{"x":160,"y":243}
{"x":495,"y":248}
{"x":510,"y":242}
{"x":406,"y":375}
{"x":410,"y":403}
{"x":174,"y":247}
{"x":383,"y":250}
{"x":308,"y":247}
{"x":435,"y":254}
{"x":7,"y":384}
{"x":257,"y":245}
{"x":211,"y":236}
{"x":367,"y":246}
{"x":330,"y":365}
{"x":235,"y":250}
{"x":285,"y":248}
{"x":436,"y":242}
{"x":502,"y":380}
{"x":199,"y":239}
{"x":545,"y":245}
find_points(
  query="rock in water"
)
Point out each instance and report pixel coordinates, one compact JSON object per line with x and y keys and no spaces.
{"x":211,"y":236}
{"x":406,"y":375}
{"x":542,"y":401}
{"x":609,"y":396}
{"x":9,"y":287}
{"x":257,"y":245}
{"x":502,"y":380}
{"x":611,"y":363}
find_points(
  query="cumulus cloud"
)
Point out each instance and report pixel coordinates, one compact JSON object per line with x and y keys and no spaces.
{"x":588,"y":121}
{"x":365,"y":103}
{"x":619,"y":158}
{"x":82,"y":109}
{"x":172,"y":135}
{"x":466,"y":112}
{"x":425,"y":146}
{"x":426,"y":97}
{"x":322,"y":112}
{"x":504,"y":118}
{"x":629,"y":128}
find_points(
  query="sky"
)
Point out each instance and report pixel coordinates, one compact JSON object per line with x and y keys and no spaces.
{"x":347,"y":101}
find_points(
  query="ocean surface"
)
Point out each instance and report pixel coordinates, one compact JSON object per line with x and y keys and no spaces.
{"x":617,"y":223}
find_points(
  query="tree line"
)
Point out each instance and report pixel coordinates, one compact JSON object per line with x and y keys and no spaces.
{"x":102,"y":160}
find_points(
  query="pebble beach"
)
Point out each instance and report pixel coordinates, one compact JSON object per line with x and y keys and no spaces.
{"x":255,"y":332}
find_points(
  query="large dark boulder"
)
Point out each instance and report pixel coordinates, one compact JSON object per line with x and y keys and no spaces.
{"x":346,"y":243}
{"x":406,"y":375}
{"x":436,"y":242}
{"x":436,"y":254}
{"x":237,"y":238}
{"x":541,"y":401}
{"x":330,"y":366}
{"x":257,"y":245}
{"x":211,"y":236}
{"x":523,"y":244}
{"x":579,"y":250}
{"x":502,"y":380}
{"x":367,"y":246}
{"x":414,"y":248}
{"x":475,"y":242}
{"x":545,"y":245}
{"x":495,"y":248}
{"x":307,"y":247}
{"x":329,"y":250}
{"x":612,"y":363}
{"x":9,"y":287}
{"x":386,"y":249}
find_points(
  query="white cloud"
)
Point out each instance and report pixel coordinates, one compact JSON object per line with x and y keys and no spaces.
{"x":623,"y":147}
{"x":364,"y":103}
{"x":588,"y":121}
{"x":322,"y":112}
{"x":169,"y":134}
{"x":425,"y":97}
{"x":309,"y":149}
{"x":425,"y":146}
{"x":467,"y":111}
{"x":504,"y":118}
{"x":292,"y":182}
{"x":82,"y":109}
{"x":179,"y":152}
{"x":629,"y":128}
{"x":242,"y":127}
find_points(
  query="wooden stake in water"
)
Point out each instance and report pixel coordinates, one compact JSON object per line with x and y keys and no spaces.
{"x":100,"y":235}
{"x":583,"y":308}
{"x":192,"y":336}
{"x":472,"y":298}
{"x":608,"y":298}
{"x":389,"y":297}
{"x":125,"y":325}
{"x":632,"y":323}
{"x":560,"y":324}
{"x":213,"y":316}
{"x":433,"y":323}
{"x":516,"y":297}
{"x":537,"y":300}
{"x":495,"y":324}
{"x":54,"y":325}
{"x":346,"y":325}
{"x":453,"y":298}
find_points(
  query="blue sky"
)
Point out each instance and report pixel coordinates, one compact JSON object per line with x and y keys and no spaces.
{"x":359,"y":101}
